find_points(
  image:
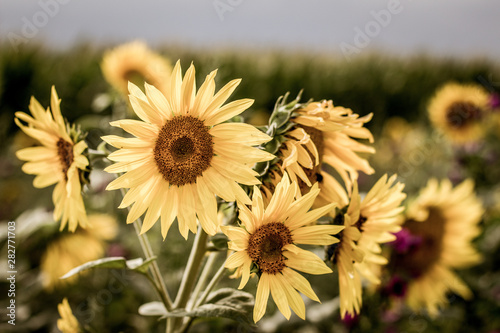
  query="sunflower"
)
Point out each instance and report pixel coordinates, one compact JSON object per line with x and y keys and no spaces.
{"x":67,"y":323}
{"x":380,"y":218}
{"x":135,"y":62}
{"x":182,"y":156}
{"x":322,"y":138}
{"x":267,"y":240}
{"x":445,"y":219}
{"x":368,"y":223}
{"x":59,"y":160}
{"x":459,"y":111}
{"x":72,"y":250}
{"x":333,"y":131}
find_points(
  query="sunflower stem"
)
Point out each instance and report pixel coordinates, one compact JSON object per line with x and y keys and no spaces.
{"x":159,"y":284}
{"x":203,"y":279}
{"x":206,"y":292}
{"x":193,"y":265}
{"x":155,"y":269}
{"x":190,"y":273}
{"x":211,"y":285}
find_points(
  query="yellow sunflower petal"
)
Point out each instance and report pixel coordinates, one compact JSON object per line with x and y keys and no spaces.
{"x":261,"y":297}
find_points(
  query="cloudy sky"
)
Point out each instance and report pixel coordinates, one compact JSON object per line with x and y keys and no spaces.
{"x":448,"y":27}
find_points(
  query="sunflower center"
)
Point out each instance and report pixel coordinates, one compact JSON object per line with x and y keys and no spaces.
{"x":423,"y":255}
{"x":265,"y":247}
{"x":136,"y":77}
{"x":65,"y":153}
{"x":183,"y":150}
{"x":459,"y":113}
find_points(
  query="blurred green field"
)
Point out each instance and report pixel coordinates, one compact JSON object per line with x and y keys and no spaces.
{"x":385,"y":85}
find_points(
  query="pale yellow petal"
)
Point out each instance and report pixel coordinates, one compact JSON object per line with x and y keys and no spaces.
{"x":169,"y":210}
{"x":219,"y":98}
{"x":137,"y":128}
{"x":305,"y":261}
{"x":236,"y":259}
{"x":300,"y":283}
{"x":204,"y":95}
{"x":206,"y":207}
{"x":279,"y":295}
{"x":261,"y":297}
{"x":161,"y":105}
{"x":239,"y":133}
{"x":236,"y":171}
{"x":228,"y":111}
{"x":316,"y":235}
{"x":188,"y":90}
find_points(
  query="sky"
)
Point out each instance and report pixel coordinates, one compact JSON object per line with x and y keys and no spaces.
{"x":461,"y":28}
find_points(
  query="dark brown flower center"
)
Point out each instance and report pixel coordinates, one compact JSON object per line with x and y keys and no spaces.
{"x":265,"y":247}
{"x":460,"y":114}
{"x":426,"y":253}
{"x":183,"y":150}
{"x":65,"y":153}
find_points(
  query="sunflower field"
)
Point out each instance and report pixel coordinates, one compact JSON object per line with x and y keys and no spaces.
{"x":192,"y":190}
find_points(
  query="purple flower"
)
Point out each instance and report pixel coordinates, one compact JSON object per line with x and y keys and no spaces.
{"x":397,"y":287}
{"x":494,"y":100}
{"x":405,"y":240}
{"x":350,"y":320}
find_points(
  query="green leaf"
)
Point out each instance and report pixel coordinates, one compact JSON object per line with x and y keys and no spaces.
{"x":220,"y":241}
{"x":226,"y":302}
{"x":153,"y":309}
{"x":274,"y":145}
{"x":138,"y":265}
{"x":262,"y":167}
{"x":281,"y":117}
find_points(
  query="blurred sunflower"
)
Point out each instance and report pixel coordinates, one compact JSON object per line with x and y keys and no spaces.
{"x":182,"y":156}
{"x":136,"y":63}
{"x":446,"y":221}
{"x":68,"y":322}
{"x":72,"y":250}
{"x":459,"y":111}
{"x":368,"y":223}
{"x":266,"y":243}
{"x":380,"y":218}
{"x":333,"y":131}
{"x":59,"y":160}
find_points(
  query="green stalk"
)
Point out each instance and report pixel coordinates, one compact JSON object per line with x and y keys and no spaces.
{"x":202,"y":280}
{"x":193,"y":265}
{"x":154,"y":268}
{"x":190,"y":273}
{"x":208,"y":289}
